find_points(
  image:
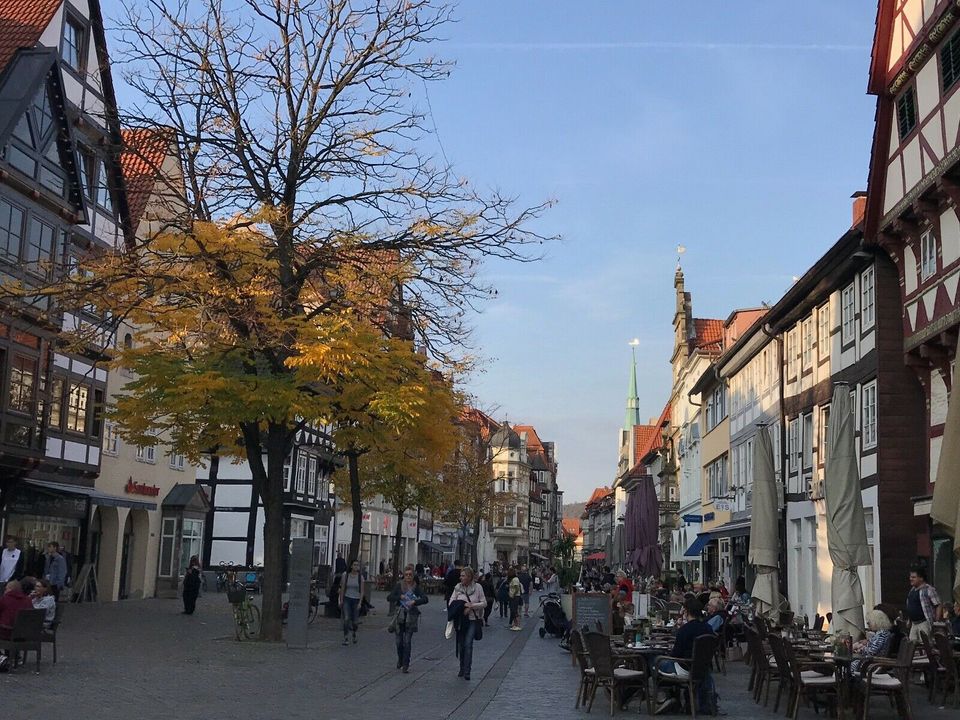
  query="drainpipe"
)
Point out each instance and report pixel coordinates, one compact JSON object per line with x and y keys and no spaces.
{"x":782,"y":531}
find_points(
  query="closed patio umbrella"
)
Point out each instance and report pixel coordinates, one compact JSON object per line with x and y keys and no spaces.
{"x":648,"y":556}
{"x":846,"y":528}
{"x":764,"y":536}
{"x":945,"y":509}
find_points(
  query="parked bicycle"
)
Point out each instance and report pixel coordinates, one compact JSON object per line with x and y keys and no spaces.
{"x":246,"y":615}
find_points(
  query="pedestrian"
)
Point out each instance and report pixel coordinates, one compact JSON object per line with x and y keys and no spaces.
{"x":351,"y":592}
{"x":551,"y":581}
{"x":407,"y":597}
{"x":43,"y":600}
{"x":470,"y":626}
{"x":11,"y":561}
{"x":55,"y":568}
{"x":525,"y":580}
{"x":503,"y":596}
{"x":922,"y":602}
{"x":13,"y":601}
{"x":488,"y":592}
{"x":339,"y":565}
{"x":191,"y":586}
{"x":450,"y":581}
{"x":515,"y":591}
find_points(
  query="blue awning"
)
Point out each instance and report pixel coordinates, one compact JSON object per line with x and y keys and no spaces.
{"x":697,"y":546}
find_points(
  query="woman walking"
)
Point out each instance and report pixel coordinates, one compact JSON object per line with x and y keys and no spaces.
{"x":487,"y":584}
{"x":515,"y":591}
{"x":351,"y":592}
{"x":407,"y":596}
{"x":471,"y":624}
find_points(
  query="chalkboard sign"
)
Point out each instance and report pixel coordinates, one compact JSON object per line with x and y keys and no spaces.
{"x":301,"y":555}
{"x":588,"y":608}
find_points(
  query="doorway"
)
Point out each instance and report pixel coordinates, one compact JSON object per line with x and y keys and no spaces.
{"x":125,"y":560}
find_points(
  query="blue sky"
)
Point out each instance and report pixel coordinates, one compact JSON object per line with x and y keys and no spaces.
{"x":738,"y":129}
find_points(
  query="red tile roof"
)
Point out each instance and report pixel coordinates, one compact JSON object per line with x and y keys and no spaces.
{"x":533,"y":440}
{"x":641,"y":438}
{"x":571,"y":526}
{"x":21,"y":24}
{"x":599,"y":494}
{"x":709,"y":334}
{"x":144,"y":151}
{"x":655,"y":438}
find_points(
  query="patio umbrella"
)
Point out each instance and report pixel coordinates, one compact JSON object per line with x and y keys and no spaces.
{"x":846,"y":528}
{"x":945,"y":509}
{"x":646,"y":554}
{"x":764,"y":535}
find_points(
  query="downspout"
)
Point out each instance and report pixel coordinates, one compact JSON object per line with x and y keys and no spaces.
{"x":782,"y":530}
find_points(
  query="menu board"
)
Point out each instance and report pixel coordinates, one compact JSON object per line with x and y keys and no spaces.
{"x":589,"y":608}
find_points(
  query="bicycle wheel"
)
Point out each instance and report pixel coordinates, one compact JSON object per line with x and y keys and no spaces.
{"x":251,"y":626}
{"x":238,"y":621}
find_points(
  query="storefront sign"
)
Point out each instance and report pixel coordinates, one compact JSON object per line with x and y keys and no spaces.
{"x":27,"y":501}
{"x":135,"y":488}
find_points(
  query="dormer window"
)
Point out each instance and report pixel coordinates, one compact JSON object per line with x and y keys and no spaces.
{"x":74,"y":44}
{"x":906,"y":112}
{"x":33,"y":149}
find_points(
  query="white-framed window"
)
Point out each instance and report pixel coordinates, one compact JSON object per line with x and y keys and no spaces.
{"x":73,"y":47}
{"x":716,"y":407}
{"x":286,"y":474}
{"x":867,"y":299}
{"x":928,"y":254}
{"x":848,"y":313}
{"x":312,"y":478}
{"x":823,"y":331}
{"x":147,"y":454}
{"x":111,"y":439}
{"x":177,"y":461}
{"x":191,"y":542}
{"x":717,"y":477}
{"x":793,"y":444}
{"x":824,"y":444}
{"x":868,"y":418}
{"x":808,"y":441}
{"x":299,"y":528}
{"x":168,"y":541}
{"x":806,"y":330}
{"x":301,"y":484}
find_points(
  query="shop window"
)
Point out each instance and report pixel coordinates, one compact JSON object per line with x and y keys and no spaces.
{"x":191,"y":542}
{"x":77,"y":399}
{"x":168,"y":540}
{"x":23,"y":373}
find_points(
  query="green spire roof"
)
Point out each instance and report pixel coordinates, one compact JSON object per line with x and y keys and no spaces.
{"x":633,"y":400}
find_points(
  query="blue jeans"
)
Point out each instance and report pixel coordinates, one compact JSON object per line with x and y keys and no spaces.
{"x":404,"y":645}
{"x":465,"y":638}
{"x":349,"y":614}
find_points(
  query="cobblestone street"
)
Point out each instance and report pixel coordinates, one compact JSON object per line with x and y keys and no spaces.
{"x":143,"y":659}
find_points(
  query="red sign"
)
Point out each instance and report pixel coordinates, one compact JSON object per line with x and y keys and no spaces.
{"x":135,"y":488}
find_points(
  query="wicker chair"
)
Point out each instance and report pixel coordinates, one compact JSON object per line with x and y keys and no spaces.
{"x":690,"y":677}
{"x":807,"y":682}
{"x":25,"y":636}
{"x":759,"y":663}
{"x":818,"y":622}
{"x":951,"y":673}
{"x":884,"y":676}
{"x":780,"y":674}
{"x":614,"y":679}
{"x":933,"y":671}
{"x":587,"y":673}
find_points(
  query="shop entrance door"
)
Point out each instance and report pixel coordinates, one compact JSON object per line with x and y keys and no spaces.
{"x":124,"y":591}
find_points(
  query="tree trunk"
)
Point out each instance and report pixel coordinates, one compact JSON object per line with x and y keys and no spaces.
{"x":353,"y":462}
{"x":475,"y":552}
{"x":397,"y":540}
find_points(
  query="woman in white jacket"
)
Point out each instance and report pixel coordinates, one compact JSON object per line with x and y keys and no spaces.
{"x":474,"y":603}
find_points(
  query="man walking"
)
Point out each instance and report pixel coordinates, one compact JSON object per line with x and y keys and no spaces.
{"x":11,"y":561}
{"x":922,"y":602}
{"x":525,"y":580}
{"x":450,"y":581}
{"x":55,"y":569}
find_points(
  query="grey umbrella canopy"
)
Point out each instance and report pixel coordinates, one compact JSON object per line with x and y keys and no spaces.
{"x":945,"y":509}
{"x":764,"y":535}
{"x":643,"y":528}
{"x":846,"y":528}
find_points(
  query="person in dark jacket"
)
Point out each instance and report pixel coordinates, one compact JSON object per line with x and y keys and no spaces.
{"x":451,"y":580}
{"x":693,"y":628}
{"x":488,"y":592}
{"x":407,"y":597}
{"x":191,"y":588}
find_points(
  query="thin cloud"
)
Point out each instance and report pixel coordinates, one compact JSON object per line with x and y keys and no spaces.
{"x":658,"y":45}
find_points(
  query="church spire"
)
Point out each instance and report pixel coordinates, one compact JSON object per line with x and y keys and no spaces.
{"x":633,"y":400}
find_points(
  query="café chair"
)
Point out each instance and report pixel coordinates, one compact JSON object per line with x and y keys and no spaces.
{"x":49,"y":634}
{"x":587,"y":673}
{"x":951,"y":673}
{"x":760,"y":663}
{"x":614,"y":679}
{"x":690,"y":672}
{"x":933,"y":671}
{"x":25,"y":636}
{"x":884,"y":676}
{"x":807,"y":681}
{"x":780,"y":673}
{"x":818,"y":622}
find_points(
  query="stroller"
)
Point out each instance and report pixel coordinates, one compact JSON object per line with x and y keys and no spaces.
{"x":554,"y":619}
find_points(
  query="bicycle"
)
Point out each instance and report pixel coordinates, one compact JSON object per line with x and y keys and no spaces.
{"x":246,"y":615}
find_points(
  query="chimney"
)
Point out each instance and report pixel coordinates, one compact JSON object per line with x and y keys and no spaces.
{"x":859,"y":206}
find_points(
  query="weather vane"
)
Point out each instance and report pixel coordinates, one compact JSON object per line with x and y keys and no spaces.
{"x":681,"y":249}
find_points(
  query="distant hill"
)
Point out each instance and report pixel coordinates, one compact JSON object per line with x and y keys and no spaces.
{"x":573,"y":510}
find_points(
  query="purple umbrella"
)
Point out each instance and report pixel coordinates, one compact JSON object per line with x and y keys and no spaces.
{"x":642,"y":523}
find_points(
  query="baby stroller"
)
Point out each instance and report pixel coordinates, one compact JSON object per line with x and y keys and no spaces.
{"x":554,"y":619}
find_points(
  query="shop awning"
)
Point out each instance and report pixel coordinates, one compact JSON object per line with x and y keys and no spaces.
{"x":537,"y":555}
{"x":734,"y":528}
{"x":96,"y":496}
{"x":436,"y":548}
{"x":697,"y":546}
{"x":596,"y":556}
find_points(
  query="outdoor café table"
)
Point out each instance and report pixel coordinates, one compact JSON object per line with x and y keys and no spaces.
{"x":642,"y":652}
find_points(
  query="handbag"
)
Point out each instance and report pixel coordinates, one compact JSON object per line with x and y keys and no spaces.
{"x":478,"y":630}
{"x":392,"y":627}
{"x":448,"y":632}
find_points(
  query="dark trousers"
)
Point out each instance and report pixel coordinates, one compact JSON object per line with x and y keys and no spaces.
{"x":514,"y":610}
{"x":189,"y":603}
{"x":503,"y":608}
{"x":465,"y":638}
{"x":404,"y":645}
{"x":486,"y":613}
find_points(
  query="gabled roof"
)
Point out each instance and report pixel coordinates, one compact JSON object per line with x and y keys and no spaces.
{"x":571,"y":526}
{"x":598,"y":495}
{"x":141,"y":160}
{"x":486,"y":424}
{"x":534,"y":443}
{"x":641,"y":438}
{"x":656,"y":439}
{"x":22,"y":22}
{"x":709,"y":334}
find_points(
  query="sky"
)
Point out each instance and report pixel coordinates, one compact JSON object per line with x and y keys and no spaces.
{"x":738,"y":129}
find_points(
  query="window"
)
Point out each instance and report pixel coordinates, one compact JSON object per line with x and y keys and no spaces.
{"x":147,"y":454}
{"x":11,"y":230}
{"x":77,"y":397}
{"x":906,"y":112}
{"x":716,"y":407}
{"x":791,"y":348}
{"x":23,"y":373}
{"x":97,"y":423}
{"x":87,"y":164}
{"x":824,"y":443}
{"x":312,"y":477}
{"x":301,"y":483}
{"x":928,"y":254}
{"x":111,"y":439}
{"x":192,"y":541}
{"x":168,"y":539}
{"x":793,"y":444}
{"x":867,"y":310}
{"x":868,"y":421}
{"x":848,"y":314}
{"x":286,"y":474}
{"x":950,"y":62}
{"x":717,"y":478}
{"x":823,"y":331}
{"x":299,"y":528}
{"x":807,"y":331}
{"x":73,"y":44}
{"x":509,"y":517}
{"x":808,"y":441}
{"x":177,"y":461}
{"x":34,"y":145}
{"x":56,"y":403}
